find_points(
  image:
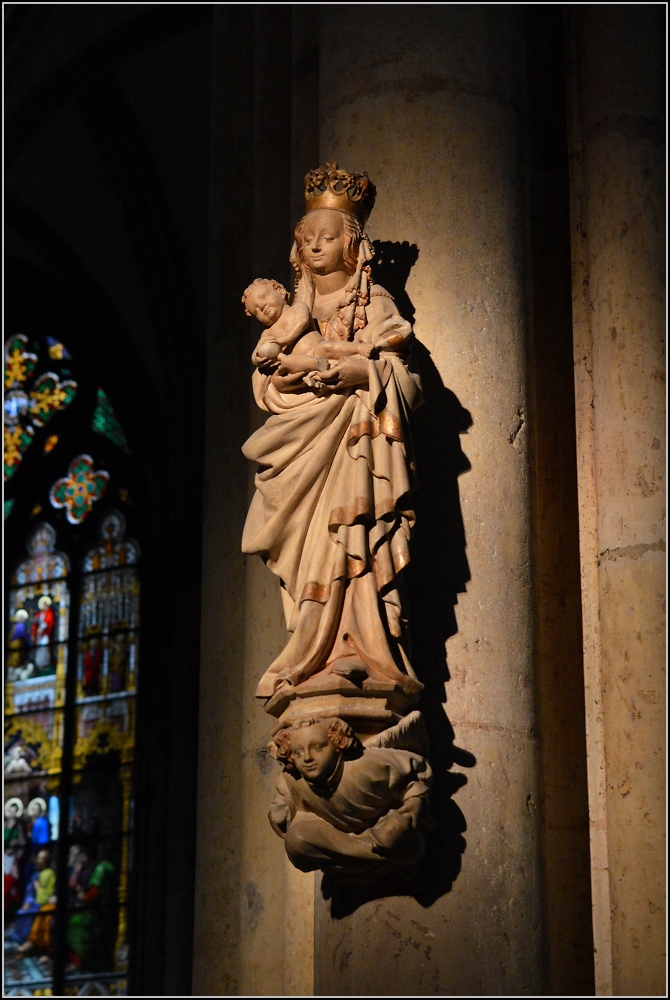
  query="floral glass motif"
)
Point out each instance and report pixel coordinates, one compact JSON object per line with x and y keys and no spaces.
{"x":17,"y":442}
{"x":36,"y":663}
{"x":48,"y":395}
{"x":19,"y":361}
{"x":29,"y":403}
{"x":80,"y":489}
{"x":107,"y":423}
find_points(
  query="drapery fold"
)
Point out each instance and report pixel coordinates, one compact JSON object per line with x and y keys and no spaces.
{"x":332,"y":516}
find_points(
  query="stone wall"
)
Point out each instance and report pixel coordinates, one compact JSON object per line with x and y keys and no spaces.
{"x":618,"y":239}
{"x":457,"y":114}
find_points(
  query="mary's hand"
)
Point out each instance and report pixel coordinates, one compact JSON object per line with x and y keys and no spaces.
{"x":288,"y":383}
{"x":348,"y":372}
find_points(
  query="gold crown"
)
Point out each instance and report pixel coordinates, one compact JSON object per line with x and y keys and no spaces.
{"x":328,"y":187}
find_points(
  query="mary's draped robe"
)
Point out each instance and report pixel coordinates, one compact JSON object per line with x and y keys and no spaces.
{"x":332,"y":513}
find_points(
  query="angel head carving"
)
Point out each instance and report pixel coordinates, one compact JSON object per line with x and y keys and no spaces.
{"x":312,"y":748}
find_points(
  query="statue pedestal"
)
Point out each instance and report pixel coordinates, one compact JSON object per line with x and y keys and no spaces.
{"x":369,"y":707}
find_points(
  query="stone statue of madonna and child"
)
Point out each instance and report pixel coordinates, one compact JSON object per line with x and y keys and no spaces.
{"x":332,"y":517}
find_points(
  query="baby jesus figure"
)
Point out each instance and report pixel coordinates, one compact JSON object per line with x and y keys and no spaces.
{"x":289,"y":340}
{"x":347,"y":808}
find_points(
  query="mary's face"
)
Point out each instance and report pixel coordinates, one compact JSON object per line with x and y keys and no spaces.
{"x":323,"y":242}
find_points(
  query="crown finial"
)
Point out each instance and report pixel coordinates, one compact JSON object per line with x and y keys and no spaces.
{"x":328,"y":187}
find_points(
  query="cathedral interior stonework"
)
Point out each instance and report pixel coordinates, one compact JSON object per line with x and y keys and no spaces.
{"x":437,"y":570}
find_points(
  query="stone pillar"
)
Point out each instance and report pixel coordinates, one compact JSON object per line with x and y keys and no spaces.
{"x":555,"y":516}
{"x":429,"y":101}
{"x":218,"y":892}
{"x":244,"y":942}
{"x":618,"y":224}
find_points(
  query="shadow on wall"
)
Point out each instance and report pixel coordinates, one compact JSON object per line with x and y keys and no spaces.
{"x":438,"y":573}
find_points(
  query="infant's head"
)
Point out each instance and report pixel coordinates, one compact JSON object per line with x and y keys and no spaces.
{"x":313,"y":747}
{"x":265,"y":299}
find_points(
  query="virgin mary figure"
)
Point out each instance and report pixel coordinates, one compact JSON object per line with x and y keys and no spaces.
{"x":332,"y":514}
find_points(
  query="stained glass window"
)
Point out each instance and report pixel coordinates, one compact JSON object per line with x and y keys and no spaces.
{"x":72,"y":641}
{"x":39,"y":605}
{"x":63,"y":439}
{"x":101,"y":809}
{"x":105,"y":422}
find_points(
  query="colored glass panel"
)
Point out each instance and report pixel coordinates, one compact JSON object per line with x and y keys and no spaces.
{"x":102,"y":806}
{"x":107,"y":423}
{"x":17,"y":405}
{"x":36,"y":664}
{"x":17,"y":440}
{"x":39,"y":607}
{"x":36,"y":657}
{"x":44,"y":562}
{"x":19,"y":361}
{"x":79,"y":489}
{"x":48,"y":395}
{"x":30,"y":402}
{"x":57,"y":351}
{"x":33,"y":747}
{"x":99,"y":754}
{"x":32,"y":829}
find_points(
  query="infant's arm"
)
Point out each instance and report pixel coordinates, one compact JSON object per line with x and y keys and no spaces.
{"x":290,"y":326}
{"x":292,"y":323}
{"x":293,"y":363}
{"x":336,"y":349}
{"x":301,"y":357}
